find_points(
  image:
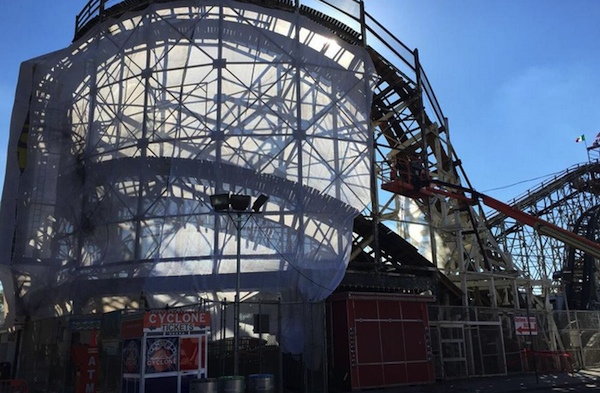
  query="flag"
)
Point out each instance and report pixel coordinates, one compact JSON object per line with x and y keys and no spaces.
{"x":580,"y":138}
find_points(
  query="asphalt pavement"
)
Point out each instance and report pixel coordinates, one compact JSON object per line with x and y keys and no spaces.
{"x":579,"y":381}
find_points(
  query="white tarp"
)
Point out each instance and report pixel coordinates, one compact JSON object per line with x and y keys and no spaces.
{"x":127,"y":132}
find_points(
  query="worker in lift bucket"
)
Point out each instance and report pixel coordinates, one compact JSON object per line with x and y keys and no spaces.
{"x":417,"y":173}
{"x":399,"y":169}
{"x":410,"y":170}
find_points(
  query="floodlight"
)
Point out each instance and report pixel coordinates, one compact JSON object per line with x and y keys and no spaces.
{"x":220,"y":202}
{"x":239,"y":202}
{"x":259,"y":202}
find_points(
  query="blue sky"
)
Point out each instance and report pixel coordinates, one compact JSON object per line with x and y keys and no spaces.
{"x":518,"y":79}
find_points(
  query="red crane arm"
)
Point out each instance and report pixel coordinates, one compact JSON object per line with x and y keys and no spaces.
{"x":546,"y":228}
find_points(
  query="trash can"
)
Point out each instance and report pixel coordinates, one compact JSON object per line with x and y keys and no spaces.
{"x":261,"y":383}
{"x":232,"y":384}
{"x":5,"y":370}
{"x":203,"y":385}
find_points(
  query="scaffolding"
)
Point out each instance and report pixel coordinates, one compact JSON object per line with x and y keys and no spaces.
{"x":157,"y":105}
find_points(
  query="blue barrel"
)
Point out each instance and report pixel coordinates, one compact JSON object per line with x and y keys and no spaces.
{"x":203,"y":385}
{"x":232,"y":384}
{"x":261,"y":383}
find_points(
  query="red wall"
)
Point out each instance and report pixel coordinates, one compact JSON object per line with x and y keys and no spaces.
{"x":378,"y":340}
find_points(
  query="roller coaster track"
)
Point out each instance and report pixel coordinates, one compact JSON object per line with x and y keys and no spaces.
{"x":407,"y":122}
{"x":570,"y":199}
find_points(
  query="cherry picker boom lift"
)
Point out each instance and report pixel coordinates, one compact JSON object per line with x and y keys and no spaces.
{"x":417,"y":184}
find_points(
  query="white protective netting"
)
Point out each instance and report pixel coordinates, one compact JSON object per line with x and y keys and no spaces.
{"x":127,"y":132}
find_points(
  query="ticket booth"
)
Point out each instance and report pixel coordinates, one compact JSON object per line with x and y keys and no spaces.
{"x":164,"y":350}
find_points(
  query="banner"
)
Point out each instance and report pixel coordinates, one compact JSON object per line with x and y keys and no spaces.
{"x":131,"y":356}
{"x":188,"y":353}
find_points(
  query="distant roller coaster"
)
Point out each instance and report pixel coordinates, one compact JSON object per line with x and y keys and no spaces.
{"x":571,"y":200}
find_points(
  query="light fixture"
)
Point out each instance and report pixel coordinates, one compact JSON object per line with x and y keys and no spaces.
{"x":239,"y":202}
{"x":259,"y":202}
{"x":220,"y":202}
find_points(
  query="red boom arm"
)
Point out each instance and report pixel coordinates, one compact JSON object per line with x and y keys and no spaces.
{"x":543,"y":227}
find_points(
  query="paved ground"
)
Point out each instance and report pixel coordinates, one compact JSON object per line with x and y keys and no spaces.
{"x":580,"y":381}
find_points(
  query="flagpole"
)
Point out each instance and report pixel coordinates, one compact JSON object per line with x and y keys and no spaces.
{"x":587,"y":151}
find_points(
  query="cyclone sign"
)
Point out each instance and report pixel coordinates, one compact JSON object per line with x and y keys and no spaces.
{"x":162,"y":355}
{"x":176,"y":322}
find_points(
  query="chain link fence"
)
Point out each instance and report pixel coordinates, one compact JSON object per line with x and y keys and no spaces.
{"x":478,"y":341}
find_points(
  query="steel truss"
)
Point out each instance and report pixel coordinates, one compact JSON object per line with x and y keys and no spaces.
{"x":408,"y":122}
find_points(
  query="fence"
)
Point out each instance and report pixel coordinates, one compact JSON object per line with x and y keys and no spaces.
{"x":580,"y":335}
{"x":288,"y":341}
{"x":478,"y":341}
{"x":285,"y":339}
